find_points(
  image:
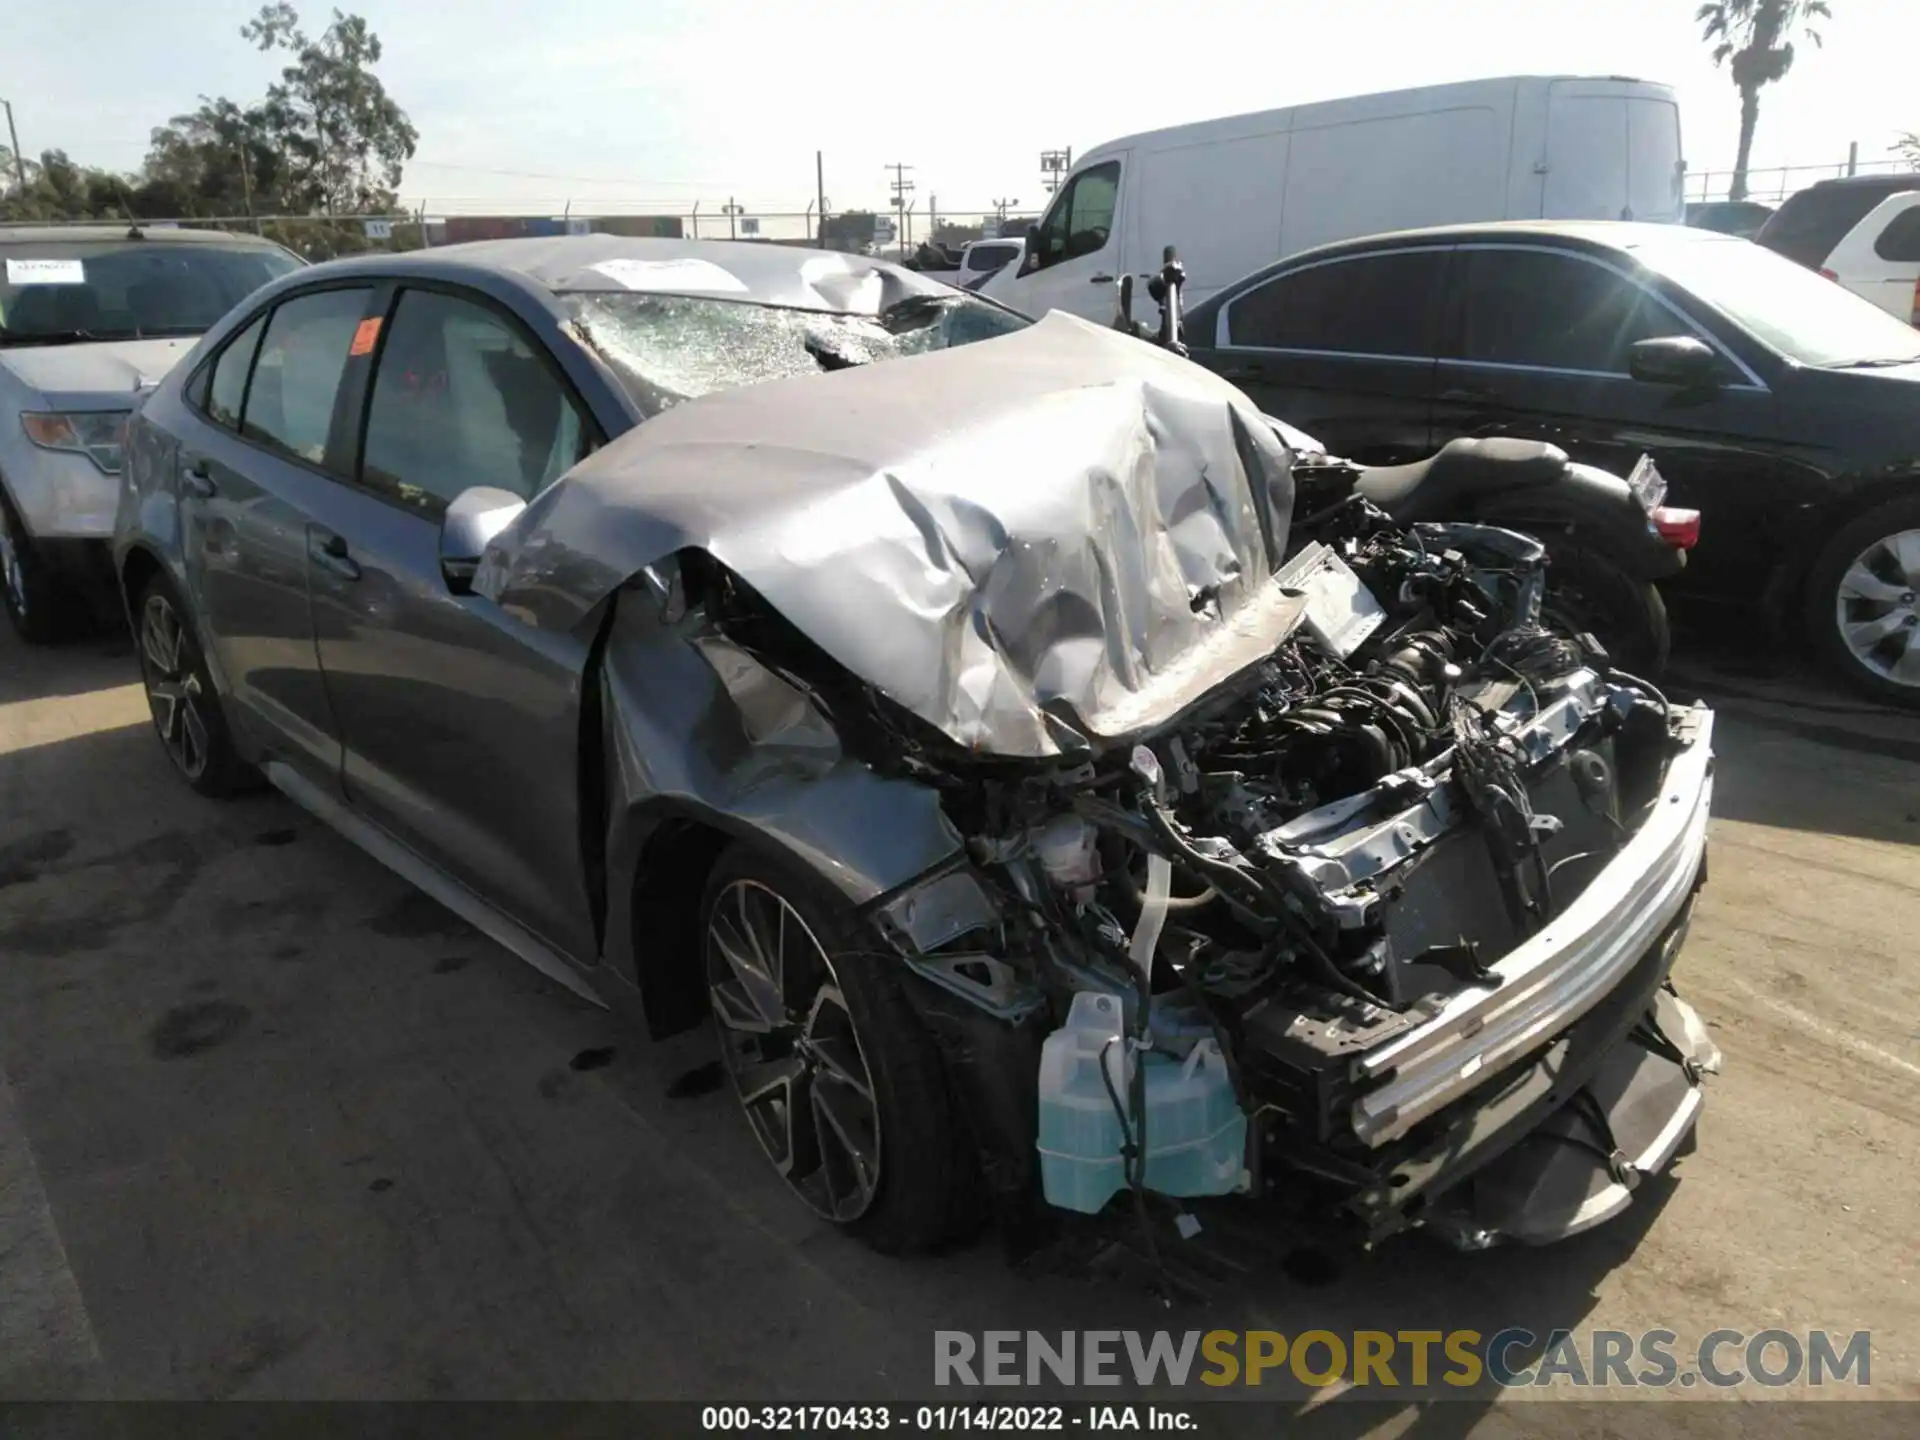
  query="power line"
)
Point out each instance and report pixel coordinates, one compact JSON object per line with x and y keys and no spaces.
{"x":543,"y":175}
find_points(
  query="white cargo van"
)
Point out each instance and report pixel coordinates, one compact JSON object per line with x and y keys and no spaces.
{"x":1238,"y":193}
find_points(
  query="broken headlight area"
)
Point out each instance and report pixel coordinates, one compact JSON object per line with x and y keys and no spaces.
{"x":1385,"y":920}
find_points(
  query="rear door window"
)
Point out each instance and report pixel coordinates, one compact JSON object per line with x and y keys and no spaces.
{"x":1810,"y":224}
{"x":297,"y":376}
{"x":1900,"y":241}
{"x":1549,"y":311}
{"x":1369,"y":305}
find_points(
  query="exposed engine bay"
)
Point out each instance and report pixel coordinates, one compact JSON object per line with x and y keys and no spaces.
{"x":1224,"y":835}
{"x":1313,"y":864}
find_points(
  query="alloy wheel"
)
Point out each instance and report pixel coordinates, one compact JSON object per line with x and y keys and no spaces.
{"x":174,"y":691}
{"x":1877,"y":608}
{"x":792,"y":1049}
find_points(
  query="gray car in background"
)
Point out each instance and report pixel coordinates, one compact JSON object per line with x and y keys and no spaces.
{"x":91,"y":318}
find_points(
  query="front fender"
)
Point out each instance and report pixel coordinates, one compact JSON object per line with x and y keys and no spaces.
{"x":698,"y":732}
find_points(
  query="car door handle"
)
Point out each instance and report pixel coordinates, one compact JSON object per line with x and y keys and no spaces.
{"x":1099,"y":279}
{"x":199,"y":479}
{"x":1469,"y":395}
{"x":330,"y":552}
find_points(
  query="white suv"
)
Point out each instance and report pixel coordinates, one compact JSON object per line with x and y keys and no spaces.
{"x":91,"y":318}
{"x":1880,"y":257}
{"x":1861,"y":231}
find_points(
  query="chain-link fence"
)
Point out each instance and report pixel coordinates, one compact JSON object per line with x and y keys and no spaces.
{"x":314,"y":237}
{"x":898,"y":233}
{"x":1775,"y":183}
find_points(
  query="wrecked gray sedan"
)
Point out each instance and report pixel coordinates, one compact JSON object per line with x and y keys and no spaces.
{"x":1057,"y":799}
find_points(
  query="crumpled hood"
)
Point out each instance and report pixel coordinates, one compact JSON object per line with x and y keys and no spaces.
{"x":96,"y":376}
{"x":1031,"y":542}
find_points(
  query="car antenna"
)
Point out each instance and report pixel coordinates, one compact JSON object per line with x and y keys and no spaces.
{"x":134,"y":232}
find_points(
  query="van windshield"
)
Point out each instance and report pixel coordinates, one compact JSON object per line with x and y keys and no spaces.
{"x":1791,"y":309}
{"x":69,"y":291}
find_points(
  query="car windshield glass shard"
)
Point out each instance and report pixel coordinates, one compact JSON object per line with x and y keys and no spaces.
{"x":669,"y":348}
{"x":69,"y":292}
{"x":1804,"y":316}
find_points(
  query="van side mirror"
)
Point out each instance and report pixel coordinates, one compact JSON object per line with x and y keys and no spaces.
{"x":471,"y":523}
{"x":1030,"y":256}
{"x":1673,"y":360}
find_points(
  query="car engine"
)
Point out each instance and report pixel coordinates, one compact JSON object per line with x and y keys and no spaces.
{"x":1322,"y":854}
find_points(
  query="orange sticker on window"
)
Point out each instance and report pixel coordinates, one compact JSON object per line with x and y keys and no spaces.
{"x":364,"y":337}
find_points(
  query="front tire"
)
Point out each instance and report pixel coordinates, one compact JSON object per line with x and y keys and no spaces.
{"x":29,"y":588}
{"x":186,"y":708}
{"x":840,"y":1083}
{"x":1587,"y":591}
{"x":1863,"y":603}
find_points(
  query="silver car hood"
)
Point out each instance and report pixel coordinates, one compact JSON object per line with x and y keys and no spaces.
{"x":96,"y":375}
{"x":1032,"y":542}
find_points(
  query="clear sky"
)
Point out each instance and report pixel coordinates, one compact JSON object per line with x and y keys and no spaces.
{"x":665,"y":102}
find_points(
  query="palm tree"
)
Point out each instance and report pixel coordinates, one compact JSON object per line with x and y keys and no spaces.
{"x":1755,"y":36}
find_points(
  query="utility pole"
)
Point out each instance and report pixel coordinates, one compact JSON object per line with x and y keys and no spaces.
{"x":1000,"y":208}
{"x":19,"y":165}
{"x":1053,"y":165}
{"x":820,"y":190}
{"x":902,"y":190}
{"x":733,"y":213}
{"x":246,"y":186}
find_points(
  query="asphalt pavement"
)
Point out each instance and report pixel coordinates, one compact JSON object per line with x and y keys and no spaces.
{"x":273,"y":1125}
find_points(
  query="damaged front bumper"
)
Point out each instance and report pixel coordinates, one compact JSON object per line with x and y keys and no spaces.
{"x":1552,"y":979}
{"x":1486,"y":1150}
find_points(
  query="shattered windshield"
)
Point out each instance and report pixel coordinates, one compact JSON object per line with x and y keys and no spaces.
{"x":670,"y":348}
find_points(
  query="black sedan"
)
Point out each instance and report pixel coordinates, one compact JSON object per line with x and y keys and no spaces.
{"x":1782,"y":406}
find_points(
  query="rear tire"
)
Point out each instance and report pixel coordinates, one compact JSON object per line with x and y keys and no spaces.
{"x":1863,"y":603}
{"x":809,"y":1017}
{"x":187,"y":714}
{"x":1586,"y":591}
{"x":31,"y":591}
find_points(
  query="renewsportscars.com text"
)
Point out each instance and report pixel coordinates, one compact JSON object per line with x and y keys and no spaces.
{"x":1590,"y":1359}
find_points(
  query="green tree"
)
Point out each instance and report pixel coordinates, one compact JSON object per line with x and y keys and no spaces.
{"x":1908,"y":146}
{"x":1754,"y":38}
{"x":849,"y":230}
{"x":218,"y":160}
{"x":341,"y":135}
{"x":59,"y":189}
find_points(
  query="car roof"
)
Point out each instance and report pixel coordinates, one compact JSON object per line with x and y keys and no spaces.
{"x":784,"y":275}
{"x":151,"y":234}
{"x":1579,"y":234}
{"x":1614,"y":235}
{"x":1893,"y":182}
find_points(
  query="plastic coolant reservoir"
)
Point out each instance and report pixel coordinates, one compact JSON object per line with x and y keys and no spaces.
{"x":1196,"y":1133}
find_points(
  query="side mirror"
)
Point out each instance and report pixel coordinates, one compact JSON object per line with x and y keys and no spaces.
{"x":1673,"y":360}
{"x":472,"y":521}
{"x":1124,"y":321}
{"x":1030,"y":256}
